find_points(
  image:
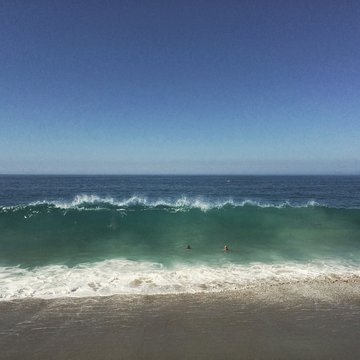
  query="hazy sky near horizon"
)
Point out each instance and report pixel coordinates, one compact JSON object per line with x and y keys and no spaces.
{"x":237,"y":87}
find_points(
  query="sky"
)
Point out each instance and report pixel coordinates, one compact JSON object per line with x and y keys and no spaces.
{"x":180,"y":87}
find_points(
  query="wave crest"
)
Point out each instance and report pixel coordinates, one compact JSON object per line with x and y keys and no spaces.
{"x":95,"y":202}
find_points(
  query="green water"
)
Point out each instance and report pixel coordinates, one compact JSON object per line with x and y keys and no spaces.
{"x":44,"y":234}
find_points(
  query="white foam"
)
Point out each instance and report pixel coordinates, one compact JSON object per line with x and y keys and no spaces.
{"x":183,"y":203}
{"x":131,"y":277}
{"x":80,"y":201}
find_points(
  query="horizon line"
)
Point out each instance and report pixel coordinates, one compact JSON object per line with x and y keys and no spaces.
{"x":177,"y":174}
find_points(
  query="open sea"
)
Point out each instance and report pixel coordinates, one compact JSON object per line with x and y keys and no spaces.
{"x":75,"y":236}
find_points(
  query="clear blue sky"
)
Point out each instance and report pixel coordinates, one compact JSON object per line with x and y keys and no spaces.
{"x":237,"y":87}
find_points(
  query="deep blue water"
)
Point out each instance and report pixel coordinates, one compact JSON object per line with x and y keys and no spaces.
{"x":332,"y":191}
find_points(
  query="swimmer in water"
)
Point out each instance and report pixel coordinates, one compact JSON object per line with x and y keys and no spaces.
{"x":226,"y":249}
{"x":188,"y":247}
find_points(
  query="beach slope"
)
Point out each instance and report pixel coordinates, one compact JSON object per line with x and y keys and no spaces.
{"x":306,"y":320}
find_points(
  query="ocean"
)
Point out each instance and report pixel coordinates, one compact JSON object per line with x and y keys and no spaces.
{"x":86,"y":236}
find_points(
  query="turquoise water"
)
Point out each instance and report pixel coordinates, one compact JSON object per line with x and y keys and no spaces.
{"x":45,"y":234}
{"x":129,"y":234}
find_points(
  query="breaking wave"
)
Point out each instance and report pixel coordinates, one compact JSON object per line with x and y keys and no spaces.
{"x":94,"y":202}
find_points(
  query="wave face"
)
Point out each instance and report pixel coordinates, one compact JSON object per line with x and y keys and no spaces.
{"x":82,"y":231}
{"x":75,"y":237}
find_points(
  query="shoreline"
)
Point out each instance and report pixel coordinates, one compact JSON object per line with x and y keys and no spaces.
{"x":128,"y":277}
{"x":313,"y":320}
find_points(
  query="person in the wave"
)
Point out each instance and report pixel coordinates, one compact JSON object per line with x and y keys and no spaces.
{"x":226,"y":248}
{"x":188,"y":247}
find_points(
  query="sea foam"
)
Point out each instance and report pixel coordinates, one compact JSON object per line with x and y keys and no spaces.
{"x":183,"y":203}
{"x":120,"y":276}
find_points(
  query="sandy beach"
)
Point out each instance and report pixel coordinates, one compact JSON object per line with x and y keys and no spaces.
{"x":307,"y":320}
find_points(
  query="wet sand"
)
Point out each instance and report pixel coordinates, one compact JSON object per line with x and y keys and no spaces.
{"x":308,"y":320}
